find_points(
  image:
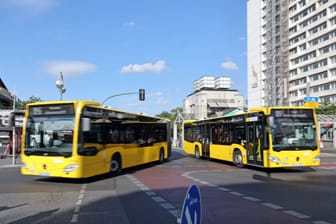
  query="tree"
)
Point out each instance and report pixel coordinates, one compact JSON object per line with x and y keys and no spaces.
{"x":21,"y":104}
{"x":170,"y":115}
{"x":327,"y":108}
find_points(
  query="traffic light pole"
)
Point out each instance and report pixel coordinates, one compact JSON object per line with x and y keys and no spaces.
{"x":141,"y":95}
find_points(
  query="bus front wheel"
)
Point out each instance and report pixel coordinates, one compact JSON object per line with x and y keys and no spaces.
{"x":115,"y":165}
{"x":237,"y":158}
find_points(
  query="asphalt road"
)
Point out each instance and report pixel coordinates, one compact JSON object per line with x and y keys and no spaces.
{"x":155,"y":193}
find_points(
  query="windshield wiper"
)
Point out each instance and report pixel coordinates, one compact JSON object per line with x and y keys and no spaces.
{"x":47,"y":153}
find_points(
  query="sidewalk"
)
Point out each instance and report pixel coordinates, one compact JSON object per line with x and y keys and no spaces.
{"x":8,"y":162}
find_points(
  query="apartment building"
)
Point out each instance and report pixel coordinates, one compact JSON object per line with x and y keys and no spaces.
{"x":291,"y":51}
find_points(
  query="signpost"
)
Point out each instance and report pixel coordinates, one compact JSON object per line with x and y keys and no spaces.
{"x":311,"y":101}
{"x":192,"y":208}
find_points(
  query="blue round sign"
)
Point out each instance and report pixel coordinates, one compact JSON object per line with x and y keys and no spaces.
{"x":191,"y":210}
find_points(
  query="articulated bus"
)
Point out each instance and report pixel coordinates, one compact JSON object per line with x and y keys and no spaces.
{"x":80,"y":139}
{"x":269,"y":137}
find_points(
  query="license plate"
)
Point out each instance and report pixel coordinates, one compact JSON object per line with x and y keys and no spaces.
{"x":45,"y":174}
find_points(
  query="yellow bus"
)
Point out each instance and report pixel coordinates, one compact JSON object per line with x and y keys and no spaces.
{"x":80,"y":139}
{"x":269,"y":137}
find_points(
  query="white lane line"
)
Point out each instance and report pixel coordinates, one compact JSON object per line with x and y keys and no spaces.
{"x":269,"y":205}
{"x":75,"y":213}
{"x":273,"y":206}
{"x":150,"y":193}
{"x":251,"y":198}
{"x":236,"y":193}
{"x":224,"y":189}
{"x":296,"y":214}
{"x":158,"y":199}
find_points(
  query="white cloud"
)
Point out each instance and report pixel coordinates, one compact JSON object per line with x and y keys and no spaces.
{"x":159,"y":98}
{"x":157,"y":94}
{"x":161,"y":101}
{"x":158,"y":66}
{"x":38,"y":5}
{"x":130,"y":24}
{"x":230,"y":65}
{"x":68,"y":68}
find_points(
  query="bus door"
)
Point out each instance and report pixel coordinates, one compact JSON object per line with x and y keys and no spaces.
{"x":254,"y":140}
{"x":205,"y":133}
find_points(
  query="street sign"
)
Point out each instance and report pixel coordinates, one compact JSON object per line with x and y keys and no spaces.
{"x":192,"y":210}
{"x":310,"y":99}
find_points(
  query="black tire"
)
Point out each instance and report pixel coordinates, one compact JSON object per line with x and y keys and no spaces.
{"x":237,"y":158}
{"x":197,"y":153}
{"x":115,"y":165}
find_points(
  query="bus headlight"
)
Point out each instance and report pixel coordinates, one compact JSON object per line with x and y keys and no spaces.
{"x":316,"y":159}
{"x":70,"y":168}
{"x":274,"y":159}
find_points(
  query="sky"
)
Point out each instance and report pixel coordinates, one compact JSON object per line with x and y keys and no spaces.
{"x":110,"y":47}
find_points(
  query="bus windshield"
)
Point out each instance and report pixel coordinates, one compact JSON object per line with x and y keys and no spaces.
{"x":294,"y":132}
{"x":49,"y":135}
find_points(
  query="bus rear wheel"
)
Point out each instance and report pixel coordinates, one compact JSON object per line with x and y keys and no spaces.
{"x":115,"y":165}
{"x":237,"y":158}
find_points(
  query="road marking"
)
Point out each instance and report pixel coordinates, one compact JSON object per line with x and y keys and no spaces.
{"x":296,"y":214}
{"x":75,"y":213}
{"x":253,"y":199}
{"x":158,"y":199}
{"x":223,"y":189}
{"x":273,"y":206}
{"x":236,"y":193}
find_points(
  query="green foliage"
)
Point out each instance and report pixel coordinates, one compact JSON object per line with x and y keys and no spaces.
{"x":170,"y":115}
{"x":21,"y":104}
{"x":327,"y":108}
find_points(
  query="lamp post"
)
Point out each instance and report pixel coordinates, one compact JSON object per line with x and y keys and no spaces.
{"x":13,"y":132}
{"x":60,"y":86}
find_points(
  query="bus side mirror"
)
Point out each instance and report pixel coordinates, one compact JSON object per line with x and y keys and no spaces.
{"x":270,"y":121}
{"x":86,"y":124}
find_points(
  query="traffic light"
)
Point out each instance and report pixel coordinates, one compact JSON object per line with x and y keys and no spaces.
{"x":142,"y":94}
{"x":11,"y":119}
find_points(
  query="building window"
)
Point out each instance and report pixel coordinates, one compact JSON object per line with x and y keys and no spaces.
{"x":318,"y":28}
{"x":318,"y":76}
{"x":333,"y":8}
{"x":315,"y":65}
{"x":333,"y":59}
{"x":333,"y":72}
{"x":333,"y":21}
